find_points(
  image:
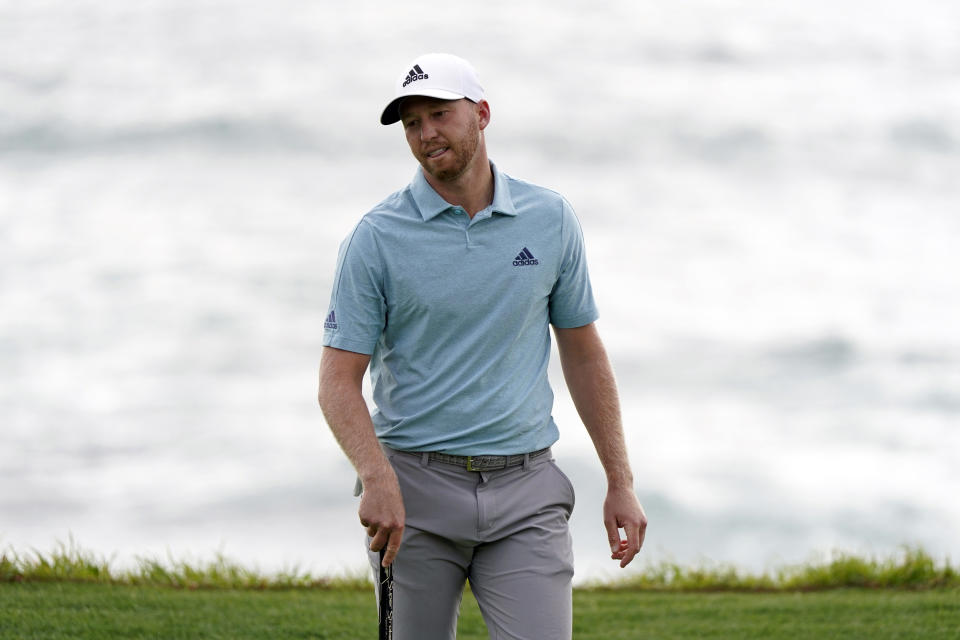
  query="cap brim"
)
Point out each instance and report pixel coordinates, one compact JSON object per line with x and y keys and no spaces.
{"x":392,"y":113}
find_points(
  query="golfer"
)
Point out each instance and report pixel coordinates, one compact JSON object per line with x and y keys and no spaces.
{"x":447,"y":290}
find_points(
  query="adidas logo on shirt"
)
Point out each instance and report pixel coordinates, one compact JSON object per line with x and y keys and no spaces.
{"x":331,"y":321}
{"x":525,"y":259}
{"x":415,"y":74}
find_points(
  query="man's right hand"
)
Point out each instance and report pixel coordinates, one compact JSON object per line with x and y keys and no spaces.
{"x":382,"y":513}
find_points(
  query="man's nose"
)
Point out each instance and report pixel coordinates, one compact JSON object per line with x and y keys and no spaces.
{"x":427,"y":131}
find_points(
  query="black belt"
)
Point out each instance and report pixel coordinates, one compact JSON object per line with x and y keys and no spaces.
{"x":484,"y":462}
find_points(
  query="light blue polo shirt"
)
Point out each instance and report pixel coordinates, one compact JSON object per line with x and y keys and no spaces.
{"x":454,"y":313}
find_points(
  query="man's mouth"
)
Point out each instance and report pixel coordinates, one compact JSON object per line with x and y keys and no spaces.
{"x":437,"y":152}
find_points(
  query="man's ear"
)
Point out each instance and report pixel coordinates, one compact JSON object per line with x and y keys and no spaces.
{"x":483,"y":113}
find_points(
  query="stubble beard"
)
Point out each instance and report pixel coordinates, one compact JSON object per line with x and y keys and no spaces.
{"x":463,"y":152}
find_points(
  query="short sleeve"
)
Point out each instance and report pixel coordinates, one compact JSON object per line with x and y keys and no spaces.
{"x":571,"y":300}
{"x":357,"y":311}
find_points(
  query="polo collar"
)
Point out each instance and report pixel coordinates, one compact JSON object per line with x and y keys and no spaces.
{"x":431,"y":204}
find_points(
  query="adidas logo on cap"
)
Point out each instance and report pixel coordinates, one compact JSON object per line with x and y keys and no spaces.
{"x":415,"y":74}
{"x":525,"y":259}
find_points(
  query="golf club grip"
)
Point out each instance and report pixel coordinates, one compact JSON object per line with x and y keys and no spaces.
{"x":385,"y":585}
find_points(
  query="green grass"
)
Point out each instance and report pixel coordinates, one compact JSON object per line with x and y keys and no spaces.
{"x":85,"y":611}
{"x":912,"y":568}
{"x":844,"y":613}
{"x":70,"y":563}
{"x":55,"y":610}
{"x":70,"y":593}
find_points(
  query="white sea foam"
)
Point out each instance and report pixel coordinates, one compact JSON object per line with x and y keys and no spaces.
{"x":768,"y":194}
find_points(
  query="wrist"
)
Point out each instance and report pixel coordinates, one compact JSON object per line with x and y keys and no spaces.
{"x":379,"y":475}
{"x":620,"y":482}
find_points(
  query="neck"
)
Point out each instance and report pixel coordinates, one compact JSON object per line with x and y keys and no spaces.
{"x":472,"y":190}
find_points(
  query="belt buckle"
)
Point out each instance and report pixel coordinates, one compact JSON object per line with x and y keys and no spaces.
{"x":485,"y":463}
{"x":482,"y":463}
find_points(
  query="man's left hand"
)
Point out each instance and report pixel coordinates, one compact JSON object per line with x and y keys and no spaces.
{"x":622,"y":510}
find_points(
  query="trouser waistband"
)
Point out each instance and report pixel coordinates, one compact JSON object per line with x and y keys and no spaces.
{"x":480,"y":462}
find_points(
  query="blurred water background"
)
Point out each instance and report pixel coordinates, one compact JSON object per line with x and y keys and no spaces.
{"x":769,"y":193}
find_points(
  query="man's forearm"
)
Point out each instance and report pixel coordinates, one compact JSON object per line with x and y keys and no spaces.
{"x":348,"y":417}
{"x":349,"y":420}
{"x":593,"y":388}
{"x":594,"y":394}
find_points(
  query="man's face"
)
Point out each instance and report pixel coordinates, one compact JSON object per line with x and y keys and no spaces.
{"x":443,"y":135}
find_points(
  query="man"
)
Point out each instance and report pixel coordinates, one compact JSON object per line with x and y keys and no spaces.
{"x":446,"y":290}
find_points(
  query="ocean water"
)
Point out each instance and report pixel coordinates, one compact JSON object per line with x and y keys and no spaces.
{"x":768,"y":191}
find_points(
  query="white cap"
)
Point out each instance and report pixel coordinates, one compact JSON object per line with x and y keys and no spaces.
{"x":435,"y":75}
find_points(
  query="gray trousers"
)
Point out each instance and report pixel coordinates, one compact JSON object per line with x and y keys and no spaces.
{"x":505,"y":531}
